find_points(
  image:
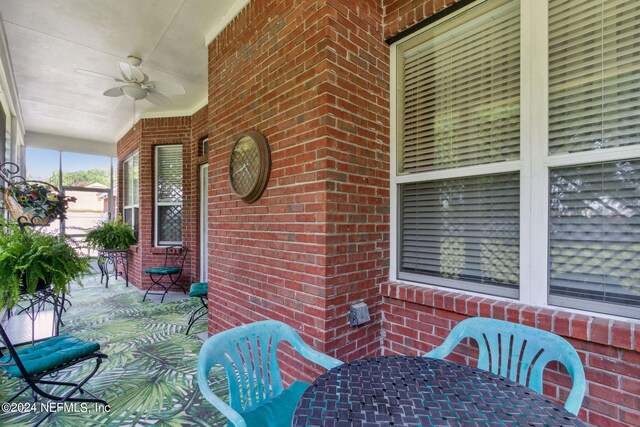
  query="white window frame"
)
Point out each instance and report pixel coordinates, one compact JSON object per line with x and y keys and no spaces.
{"x":126,"y":187}
{"x":534,"y":164}
{"x":157,"y":204}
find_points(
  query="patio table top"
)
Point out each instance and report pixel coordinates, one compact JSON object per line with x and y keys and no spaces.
{"x":420,"y":391}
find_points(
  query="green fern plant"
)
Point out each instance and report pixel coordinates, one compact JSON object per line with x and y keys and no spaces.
{"x":31,"y":257}
{"x":111,"y":235}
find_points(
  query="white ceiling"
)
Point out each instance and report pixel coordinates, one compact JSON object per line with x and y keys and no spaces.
{"x":49,"y":39}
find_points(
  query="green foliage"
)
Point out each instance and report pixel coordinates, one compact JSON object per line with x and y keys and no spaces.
{"x":82,"y":178}
{"x":36,"y":199}
{"x":111,"y":235}
{"x":31,"y":256}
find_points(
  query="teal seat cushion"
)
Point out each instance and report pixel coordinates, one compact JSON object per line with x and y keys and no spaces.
{"x":278,"y":412}
{"x":49,"y":354}
{"x":163,"y":270}
{"x":199,"y":289}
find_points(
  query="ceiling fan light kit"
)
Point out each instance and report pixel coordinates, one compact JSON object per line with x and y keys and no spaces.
{"x":134,"y":91}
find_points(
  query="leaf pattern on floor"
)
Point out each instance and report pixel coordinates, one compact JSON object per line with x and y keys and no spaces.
{"x":150,"y":375}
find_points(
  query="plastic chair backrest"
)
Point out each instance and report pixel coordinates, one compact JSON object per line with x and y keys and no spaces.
{"x":518,"y":352}
{"x":248,"y":355}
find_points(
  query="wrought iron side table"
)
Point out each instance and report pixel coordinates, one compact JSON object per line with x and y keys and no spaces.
{"x":420,"y":391}
{"x":114,"y":257}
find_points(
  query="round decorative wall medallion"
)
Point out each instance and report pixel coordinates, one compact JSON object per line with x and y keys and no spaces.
{"x":249,"y":165}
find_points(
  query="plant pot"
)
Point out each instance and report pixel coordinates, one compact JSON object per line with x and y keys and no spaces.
{"x":40,"y":286}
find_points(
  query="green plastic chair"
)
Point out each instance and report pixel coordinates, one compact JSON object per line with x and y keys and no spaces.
{"x":248,"y":355}
{"x":518,"y":352}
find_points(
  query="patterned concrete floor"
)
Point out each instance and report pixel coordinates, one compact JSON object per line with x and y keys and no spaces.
{"x":149,"y":377}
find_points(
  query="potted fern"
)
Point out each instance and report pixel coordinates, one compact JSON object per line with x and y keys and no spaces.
{"x":31,"y":260}
{"x":111,"y":235}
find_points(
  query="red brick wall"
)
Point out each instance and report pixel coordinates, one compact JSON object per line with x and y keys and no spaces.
{"x":147,"y":134}
{"x":402,"y":14}
{"x":416,"y":319}
{"x":357,"y":169}
{"x":312,"y":76}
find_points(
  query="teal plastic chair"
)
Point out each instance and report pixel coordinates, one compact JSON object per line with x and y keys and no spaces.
{"x":248,"y":355}
{"x":519,"y":353}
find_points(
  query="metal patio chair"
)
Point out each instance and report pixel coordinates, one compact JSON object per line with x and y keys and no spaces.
{"x":519,"y":353}
{"x":198,"y":290}
{"x":174,"y":259}
{"x":38,"y":365}
{"x":248,"y":355}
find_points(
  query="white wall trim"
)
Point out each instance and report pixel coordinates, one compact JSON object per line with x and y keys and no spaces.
{"x":222,"y":23}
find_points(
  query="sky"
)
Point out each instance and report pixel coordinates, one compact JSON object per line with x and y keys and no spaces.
{"x":41,"y":163}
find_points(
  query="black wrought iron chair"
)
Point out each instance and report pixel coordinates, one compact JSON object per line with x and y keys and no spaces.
{"x":32,"y":304}
{"x":174,"y":259}
{"x":33,"y":363}
{"x":198,"y":290}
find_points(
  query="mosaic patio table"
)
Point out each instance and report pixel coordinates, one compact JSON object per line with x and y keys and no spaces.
{"x":115,"y":257}
{"x":420,"y":391}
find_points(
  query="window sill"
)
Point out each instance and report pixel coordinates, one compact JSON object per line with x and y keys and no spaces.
{"x":616,"y":333}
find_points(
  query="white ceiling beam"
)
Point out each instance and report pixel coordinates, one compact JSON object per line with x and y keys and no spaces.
{"x":71,"y":145}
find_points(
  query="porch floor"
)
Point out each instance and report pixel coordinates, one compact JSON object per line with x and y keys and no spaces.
{"x":150,"y":375}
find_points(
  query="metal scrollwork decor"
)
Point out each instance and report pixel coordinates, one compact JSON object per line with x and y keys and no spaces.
{"x":31,"y":203}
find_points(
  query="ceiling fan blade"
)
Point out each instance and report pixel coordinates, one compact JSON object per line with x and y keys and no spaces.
{"x":125,"y":70}
{"x":138,"y":74}
{"x":170,"y":88}
{"x":97,"y":75}
{"x":114,"y":91}
{"x":157,"y":98}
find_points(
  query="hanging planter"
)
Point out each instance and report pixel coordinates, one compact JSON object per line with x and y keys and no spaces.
{"x":35,"y":202}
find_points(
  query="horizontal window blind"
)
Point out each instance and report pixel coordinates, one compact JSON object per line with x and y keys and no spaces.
{"x":460,"y":94}
{"x":126,"y":172}
{"x":463,"y":229}
{"x":594,"y":74}
{"x":594,"y":232}
{"x":169,"y":164}
{"x":131,"y":178}
{"x":135,"y":180}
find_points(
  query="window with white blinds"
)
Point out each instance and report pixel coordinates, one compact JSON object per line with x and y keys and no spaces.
{"x":594,"y":74}
{"x":594,"y":105}
{"x":460,"y":101}
{"x":461,"y":94}
{"x":168,"y":224}
{"x":518,"y":173}
{"x":465,"y":229}
{"x":130,"y":189}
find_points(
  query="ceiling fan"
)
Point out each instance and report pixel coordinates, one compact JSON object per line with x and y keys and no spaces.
{"x":135,"y":84}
